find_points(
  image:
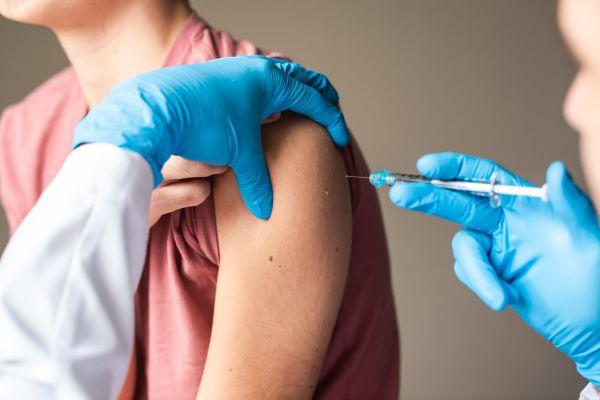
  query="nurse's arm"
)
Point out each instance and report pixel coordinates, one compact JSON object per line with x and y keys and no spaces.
{"x":67,"y":279}
{"x":280,"y":281}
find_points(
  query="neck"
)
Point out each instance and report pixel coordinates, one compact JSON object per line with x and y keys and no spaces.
{"x":121,"y":44}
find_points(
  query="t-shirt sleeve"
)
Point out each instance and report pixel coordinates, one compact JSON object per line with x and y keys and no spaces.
{"x":226,"y":45}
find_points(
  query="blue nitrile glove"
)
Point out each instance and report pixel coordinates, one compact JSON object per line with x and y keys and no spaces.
{"x":211,"y":112}
{"x":542,"y":258}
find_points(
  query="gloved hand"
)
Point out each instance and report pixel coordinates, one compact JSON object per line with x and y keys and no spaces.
{"x":542,"y":258}
{"x":212,"y":112}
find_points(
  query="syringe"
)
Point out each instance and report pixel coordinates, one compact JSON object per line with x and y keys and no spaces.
{"x":492,"y":188}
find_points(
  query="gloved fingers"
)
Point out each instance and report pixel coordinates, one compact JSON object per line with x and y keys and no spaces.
{"x":473,"y":212}
{"x":314,"y":79}
{"x":448,"y":166}
{"x":513,"y":295}
{"x":566,"y":199}
{"x":305,"y":100}
{"x":254,"y":182}
{"x":460,"y":274}
{"x":473,"y":269}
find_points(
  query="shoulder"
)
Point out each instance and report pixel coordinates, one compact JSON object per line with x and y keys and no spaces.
{"x":45,"y":99}
{"x":307,"y":172}
{"x":54,"y":89}
{"x":35,"y":135}
{"x":43,"y":119}
{"x":199,"y":42}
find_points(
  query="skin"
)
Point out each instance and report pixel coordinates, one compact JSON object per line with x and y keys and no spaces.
{"x":578,"y":20}
{"x":263,"y":359}
{"x":97,"y":38}
{"x":279,"y":299}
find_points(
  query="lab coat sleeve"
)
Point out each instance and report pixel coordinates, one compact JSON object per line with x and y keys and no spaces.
{"x":68,"y":276}
{"x":589,"y":393}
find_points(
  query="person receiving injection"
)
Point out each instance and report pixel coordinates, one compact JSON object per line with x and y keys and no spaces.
{"x":68,"y":275}
{"x":541,"y":258}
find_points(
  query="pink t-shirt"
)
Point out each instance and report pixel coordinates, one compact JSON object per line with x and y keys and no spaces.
{"x":175,"y":298}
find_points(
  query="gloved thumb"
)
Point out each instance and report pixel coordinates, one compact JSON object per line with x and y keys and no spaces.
{"x":566,"y":199}
{"x":253,"y":180}
{"x":474,"y":269}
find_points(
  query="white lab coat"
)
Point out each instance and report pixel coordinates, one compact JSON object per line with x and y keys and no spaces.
{"x":68,"y":276}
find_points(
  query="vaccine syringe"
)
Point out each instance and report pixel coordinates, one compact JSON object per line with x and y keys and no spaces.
{"x":491,"y":188}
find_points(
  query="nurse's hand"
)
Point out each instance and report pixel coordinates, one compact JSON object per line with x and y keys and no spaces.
{"x":541,"y":258}
{"x":211,"y":112}
{"x":185,"y":184}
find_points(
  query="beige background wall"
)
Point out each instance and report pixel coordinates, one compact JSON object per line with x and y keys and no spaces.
{"x":479,"y":76}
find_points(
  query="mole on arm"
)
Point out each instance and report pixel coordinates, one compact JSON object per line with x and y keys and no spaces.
{"x":270,"y":258}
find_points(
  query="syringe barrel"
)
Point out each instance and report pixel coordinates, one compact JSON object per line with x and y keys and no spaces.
{"x":529,"y":191}
{"x":490,"y":189}
{"x":387,"y":178}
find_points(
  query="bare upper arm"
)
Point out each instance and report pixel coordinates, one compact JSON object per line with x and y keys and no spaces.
{"x":280,"y":281}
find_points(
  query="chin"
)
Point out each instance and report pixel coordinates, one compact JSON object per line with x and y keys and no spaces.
{"x":589,"y":149}
{"x":36,"y":12}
